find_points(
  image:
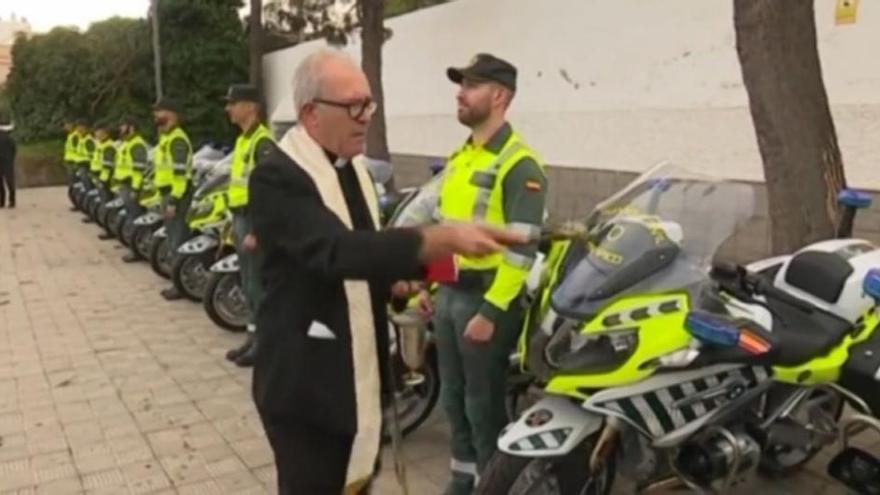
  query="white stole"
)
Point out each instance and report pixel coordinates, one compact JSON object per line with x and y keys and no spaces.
{"x":309,"y":155}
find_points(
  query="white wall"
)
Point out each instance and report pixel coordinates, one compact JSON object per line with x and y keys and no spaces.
{"x":644,"y":81}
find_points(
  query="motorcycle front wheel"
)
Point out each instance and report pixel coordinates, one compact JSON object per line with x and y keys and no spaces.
{"x":225,"y":303}
{"x":566,"y":475}
{"x":142,"y":241}
{"x":190,"y":275}
{"x":160,"y":257}
{"x":127,"y":231}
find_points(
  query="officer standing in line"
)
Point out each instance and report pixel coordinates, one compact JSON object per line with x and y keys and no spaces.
{"x":71,"y":151}
{"x":255,"y":141}
{"x":494,"y":178}
{"x":173,"y":161}
{"x":103,"y":160}
{"x":130,"y":165}
{"x":87,"y":147}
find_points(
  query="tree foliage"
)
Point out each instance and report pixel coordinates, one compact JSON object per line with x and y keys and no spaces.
{"x":290,"y":22}
{"x":107,"y":71}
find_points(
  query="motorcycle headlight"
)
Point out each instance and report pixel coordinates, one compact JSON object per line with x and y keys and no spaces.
{"x":571,"y":350}
{"x":871,"y":284}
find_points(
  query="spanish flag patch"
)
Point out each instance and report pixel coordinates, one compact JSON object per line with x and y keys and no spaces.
{"x":533,"y":185}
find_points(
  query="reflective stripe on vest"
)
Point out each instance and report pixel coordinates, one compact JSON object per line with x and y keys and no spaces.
{"x":472,"y":191}
{"x":84,"y":154}
{"x":125,"y":164}
{"x":169,"y":173}
{"x":243,"y":161}
{"x":97,"y":163}
{"x":71,"y":153}
{"x":486,"y":181}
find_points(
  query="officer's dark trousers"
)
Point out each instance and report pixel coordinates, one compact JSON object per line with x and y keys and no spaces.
{"x":473,"y":380}
{"x":7,"y":184}
{"x":177,"y":228}
{"x":249,"y":262}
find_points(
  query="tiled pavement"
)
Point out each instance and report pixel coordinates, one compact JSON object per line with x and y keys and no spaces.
{"x":105,"y":388}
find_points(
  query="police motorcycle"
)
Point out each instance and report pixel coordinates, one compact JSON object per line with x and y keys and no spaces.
{"x":79,"y":186}
{"x":141,"y":230}
{"x":210,"y":221}
{"x":668,"y":367}
{"x":160,"y":255}
{"x":119,"y":222}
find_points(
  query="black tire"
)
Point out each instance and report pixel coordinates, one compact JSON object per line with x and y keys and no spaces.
{"x":159,"y":254}
{"x":94,"y":207}
{"x":419,"y":401}
{"x":773,"y":463}
{"x":215,"y":304}
{"x":127,"y":231}
{"x":114,"y":222}
{"x":142,"y":241}
{"x":509,"y":475}
{"x":107,"y":217}
{"x":182,"y":274}
{"x":101,"y":214}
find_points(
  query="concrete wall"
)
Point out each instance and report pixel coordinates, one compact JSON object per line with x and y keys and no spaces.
{"x":610,"y":84}
{"x":573,"y":192}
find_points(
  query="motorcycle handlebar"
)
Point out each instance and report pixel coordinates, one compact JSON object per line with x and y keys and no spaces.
{"x":756,"y":284}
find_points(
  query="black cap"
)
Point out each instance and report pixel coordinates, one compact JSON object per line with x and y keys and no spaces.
{"x":485,"y":67}
{"x":242,"y":92}
{"x":168,"y":104}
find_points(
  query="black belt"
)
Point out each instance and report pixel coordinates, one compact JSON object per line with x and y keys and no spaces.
{"x":474,"y":280}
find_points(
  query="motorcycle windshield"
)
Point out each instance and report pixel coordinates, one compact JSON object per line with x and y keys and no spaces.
{"x":419,"y":208}
{"x":216,"y":183}
{"x":658,"y":234}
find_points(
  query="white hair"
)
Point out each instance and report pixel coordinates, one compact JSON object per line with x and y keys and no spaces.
{"x":307,"y":79}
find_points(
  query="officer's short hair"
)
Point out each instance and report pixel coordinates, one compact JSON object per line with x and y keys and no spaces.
{"x":307,"y":79}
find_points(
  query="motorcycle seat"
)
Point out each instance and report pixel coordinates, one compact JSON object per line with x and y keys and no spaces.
{"x":796,"y":338}
{"x":805,"y":336}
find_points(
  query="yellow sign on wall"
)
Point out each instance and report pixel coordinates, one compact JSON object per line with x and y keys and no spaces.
{"x":845,"y":12}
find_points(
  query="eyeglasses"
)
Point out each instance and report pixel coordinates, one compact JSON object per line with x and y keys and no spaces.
{"x":356,"y":109}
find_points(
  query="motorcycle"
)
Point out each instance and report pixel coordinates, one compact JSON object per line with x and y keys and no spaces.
{"x":668,"y":367}
{"x":160,"y":255}
{"x":209,"y":218}
{"x":224,"y":300}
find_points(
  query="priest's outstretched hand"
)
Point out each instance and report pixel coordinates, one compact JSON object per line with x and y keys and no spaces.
{"x":440,"y":241}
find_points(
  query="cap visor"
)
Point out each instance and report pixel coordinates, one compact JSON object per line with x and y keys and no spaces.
{"x":458,"y":75}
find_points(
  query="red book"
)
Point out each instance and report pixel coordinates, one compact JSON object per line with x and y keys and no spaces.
{"x":442,"y":271}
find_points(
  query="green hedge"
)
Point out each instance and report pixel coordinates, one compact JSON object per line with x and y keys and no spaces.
{"x":40,"y":164}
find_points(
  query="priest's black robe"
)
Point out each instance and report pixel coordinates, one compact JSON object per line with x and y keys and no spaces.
{"x":312,"y":382}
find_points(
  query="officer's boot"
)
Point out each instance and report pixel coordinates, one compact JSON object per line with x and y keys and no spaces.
{"x":131,"y":258}
{"x":233,"y":354}
{"x":171,"y":294}
{"x":247,"y":358}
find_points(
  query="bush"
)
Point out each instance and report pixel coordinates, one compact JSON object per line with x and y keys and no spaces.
{"x":40,"y":164}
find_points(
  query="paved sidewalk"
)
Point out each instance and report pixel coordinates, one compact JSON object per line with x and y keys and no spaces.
{"x":105,"y":388}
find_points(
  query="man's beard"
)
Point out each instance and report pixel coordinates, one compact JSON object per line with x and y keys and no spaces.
{"x":160,"y":122}
{"x":474,"y":116}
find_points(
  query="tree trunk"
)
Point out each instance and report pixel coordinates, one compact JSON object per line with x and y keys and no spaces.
{"x":803,"y":169}
{"x":372,"y":37}
{"x":255,"y":47}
